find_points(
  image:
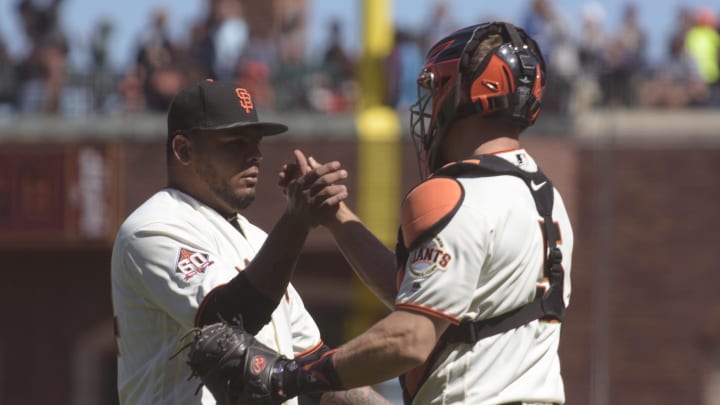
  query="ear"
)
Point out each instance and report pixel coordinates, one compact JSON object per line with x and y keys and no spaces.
{"x":182,"y":149}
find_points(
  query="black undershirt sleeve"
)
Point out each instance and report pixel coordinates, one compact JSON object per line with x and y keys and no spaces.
{"x":236,"y":298}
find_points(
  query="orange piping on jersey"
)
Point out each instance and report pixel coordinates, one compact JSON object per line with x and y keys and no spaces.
{"x":331,"y":353}
{"x":204,"y":302}
{"x":470,"y":161}
{"x":505,"y":151}
{"x":426,"y":205}
{"x":428,"y":311}
{"x":310,"y":350}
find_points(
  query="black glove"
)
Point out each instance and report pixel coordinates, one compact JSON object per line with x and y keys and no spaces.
{"x":237,"y":369}
{"x":234,"y":366}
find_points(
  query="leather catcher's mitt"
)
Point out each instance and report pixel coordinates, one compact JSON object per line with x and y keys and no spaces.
{"x":234,"y":366}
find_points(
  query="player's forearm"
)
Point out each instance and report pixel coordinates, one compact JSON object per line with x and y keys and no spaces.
{"x":354,"y":396}
{"x":255,"y":293}
{"x":272,"y":268}
{"x":371,"y":260}
{"x":393,"y":346}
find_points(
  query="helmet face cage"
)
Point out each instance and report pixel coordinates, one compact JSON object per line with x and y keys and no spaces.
{"x":420,"y":119}
{"x":507,"y":83}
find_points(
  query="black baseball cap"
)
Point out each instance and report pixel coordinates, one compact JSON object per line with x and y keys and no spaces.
{"x":212,"y":105}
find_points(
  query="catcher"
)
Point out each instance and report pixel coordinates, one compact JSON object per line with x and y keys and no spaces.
{"x":483,"y":254}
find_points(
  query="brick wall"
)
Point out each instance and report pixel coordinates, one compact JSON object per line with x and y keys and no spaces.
{"x":643,"y":316}
{"x":647,"y":258}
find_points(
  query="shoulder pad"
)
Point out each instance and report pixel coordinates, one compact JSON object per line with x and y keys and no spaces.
{"x":429,"y":207}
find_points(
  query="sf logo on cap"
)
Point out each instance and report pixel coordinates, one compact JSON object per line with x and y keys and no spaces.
{"x":245,"y":99}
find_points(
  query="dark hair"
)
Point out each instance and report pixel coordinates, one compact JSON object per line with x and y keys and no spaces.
{"x":486,"y":46}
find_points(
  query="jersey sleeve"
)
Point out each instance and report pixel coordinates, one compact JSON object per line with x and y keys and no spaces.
{"x":176,"y":275}
{"x":305,"y":333}
{"x":439,"y":277}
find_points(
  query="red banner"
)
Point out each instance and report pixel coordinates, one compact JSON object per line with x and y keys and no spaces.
{"x":57,"y":193}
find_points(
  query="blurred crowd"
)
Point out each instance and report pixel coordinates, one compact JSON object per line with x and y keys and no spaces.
{"x":588,"y":65}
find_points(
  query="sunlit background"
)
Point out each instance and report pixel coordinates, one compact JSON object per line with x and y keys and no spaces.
{"x":629,"y":134}
{"x":122,"y":43}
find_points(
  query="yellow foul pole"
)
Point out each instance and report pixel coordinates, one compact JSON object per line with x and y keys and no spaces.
{"x":379,"y":150}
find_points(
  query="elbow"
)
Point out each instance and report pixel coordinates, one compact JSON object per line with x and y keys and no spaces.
{"x":412,"y":361}
{"x":409,"y":337}
{"x":236,"y":299}
{"x":413,"y":348}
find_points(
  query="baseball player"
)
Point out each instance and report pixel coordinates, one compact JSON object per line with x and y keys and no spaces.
{"x":483,"y":253}
{"x":187,"y":256}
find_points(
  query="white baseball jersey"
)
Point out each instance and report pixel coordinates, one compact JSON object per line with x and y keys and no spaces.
{"x":486,"y":261}
{"x":168,"y":255}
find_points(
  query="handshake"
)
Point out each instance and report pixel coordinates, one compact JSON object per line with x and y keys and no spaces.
{"x":237,"y":369}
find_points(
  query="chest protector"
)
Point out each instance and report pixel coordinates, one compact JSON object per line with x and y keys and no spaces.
{"x":548,"y":304}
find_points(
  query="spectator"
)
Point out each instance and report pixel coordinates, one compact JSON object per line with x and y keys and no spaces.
{"x":331,"y":85}
{"x":624,"y":59}
{"x":402,"y":67}
{"x":155,"y":49}
{"x":563,"y":73}
{"x":255,"y":76}
{"x":157,"y":64}
{"x":438,"y":23}
{"x":43,"y":70}
{"x":590,"y":48}
{"x":702,"y":42}
{"x":99,"y":45}
{"x":677,"y":83}
{"x":229,"y":33}
{"x":543,"y":23}
{"x":40,"y":22}
{"x":540,"y":23}
{"x":336,"y":62}
{"x":684,"y":21}
{"x":132,"y":94}
{"x":200,"y":53}
{"x":291,"y":74}
{"x":102,"y":75}
{"x":258,"y":64}
{"x":8,"y":79}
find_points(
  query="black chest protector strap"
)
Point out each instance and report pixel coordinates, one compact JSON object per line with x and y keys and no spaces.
{"x":548,"y":303}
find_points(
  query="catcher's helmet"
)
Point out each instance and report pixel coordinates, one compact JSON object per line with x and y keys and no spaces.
{"x":507,"y":84}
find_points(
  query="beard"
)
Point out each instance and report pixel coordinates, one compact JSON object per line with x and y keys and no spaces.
{"x":237,"y":199}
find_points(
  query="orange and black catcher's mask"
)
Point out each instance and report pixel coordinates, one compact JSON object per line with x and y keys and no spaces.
{"x":507,"y":84}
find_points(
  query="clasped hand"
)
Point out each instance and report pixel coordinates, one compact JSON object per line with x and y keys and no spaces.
{"x":312,"y":189}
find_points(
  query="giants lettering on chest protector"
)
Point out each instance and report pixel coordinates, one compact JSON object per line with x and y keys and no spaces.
{"x":429,"y":257}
